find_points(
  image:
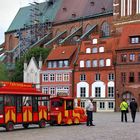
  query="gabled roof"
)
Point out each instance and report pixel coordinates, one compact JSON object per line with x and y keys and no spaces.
{"x":61,"y":53}
{"x":72,"y":35}
{"x":55,"y":38}
{"x":87,"y":33}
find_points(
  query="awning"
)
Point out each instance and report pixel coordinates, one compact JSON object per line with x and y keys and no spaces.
{"x":55,"y":38}
{"x":87,"y":33}
{"x":76,"y":32}
{"x":44,"y":39}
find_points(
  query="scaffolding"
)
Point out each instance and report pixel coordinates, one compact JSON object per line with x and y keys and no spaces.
{"x":32,"y":32}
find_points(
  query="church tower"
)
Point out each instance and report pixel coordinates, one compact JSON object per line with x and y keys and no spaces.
{"x":126,"y":11}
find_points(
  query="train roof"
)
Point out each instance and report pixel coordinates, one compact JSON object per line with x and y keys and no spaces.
{"x":62,"y":97}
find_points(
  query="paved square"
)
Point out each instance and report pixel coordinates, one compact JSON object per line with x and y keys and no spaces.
{"x":108,"y":127}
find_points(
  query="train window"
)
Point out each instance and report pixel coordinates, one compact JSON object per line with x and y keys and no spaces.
{"x":35,"y":104}
{"x":1,"y":104}
{"x":69,"y":105}
{"x":9,"y":100}
{"x":57,"y":103}
{"x":27,"y":101}
{"x":19,"y":104}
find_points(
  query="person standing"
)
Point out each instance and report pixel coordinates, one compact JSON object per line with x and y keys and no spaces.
{"x":123,"y":107}
{"x":89,"y":111}
{"x":133,"y":108}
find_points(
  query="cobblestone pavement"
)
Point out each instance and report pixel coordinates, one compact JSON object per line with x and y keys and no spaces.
{"x":108,"y":127}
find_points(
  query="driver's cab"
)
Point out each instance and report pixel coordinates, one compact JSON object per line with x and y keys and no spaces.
{"x":61,"y":103}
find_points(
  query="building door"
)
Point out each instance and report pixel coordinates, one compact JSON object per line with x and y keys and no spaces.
{"x":127,"y":96}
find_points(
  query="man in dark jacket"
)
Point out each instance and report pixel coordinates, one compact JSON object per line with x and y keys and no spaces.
{"x":133,"y":107}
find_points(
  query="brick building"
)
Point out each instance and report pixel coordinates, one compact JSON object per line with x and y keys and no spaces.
{"x":106,"y":35}
{"x":56,"y":76}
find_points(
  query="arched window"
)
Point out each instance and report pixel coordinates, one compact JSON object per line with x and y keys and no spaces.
{"x":101,"y":49}
{"x":88,"y":63}
{"x":88,"y":50}
{"x":105,"y":29}
{"x":81,"y":63}
{"x":87,"y":28}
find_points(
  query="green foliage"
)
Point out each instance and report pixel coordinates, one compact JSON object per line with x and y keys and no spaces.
{"x":3,"y":73}
{"x":35,"y":52}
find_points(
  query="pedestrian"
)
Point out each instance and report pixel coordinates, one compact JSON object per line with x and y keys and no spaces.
{"x":124,"y":108}
{"x":89,"y":111}
{"x":133,"y":108}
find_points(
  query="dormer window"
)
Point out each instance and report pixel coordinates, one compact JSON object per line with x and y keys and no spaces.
{"x":73,"y":15}
{"x":64,"y":9}
{"x":92,"y":3}
{"x":135,"y":39}
{"x":94,"y":41}
{"x":103,"y":9}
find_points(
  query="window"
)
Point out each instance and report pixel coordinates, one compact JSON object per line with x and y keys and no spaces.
{"x":82,"y":104}
{"x":52,"y":91}
{"x":132,"y":57}
{"x":88,"y":50}
{"x":111,"y":77}
{"x":52,"y":77}
{"x":105,"y":29}
{"x":45,"y":77}
{"x":138,"y":7}
{"x":135,"y":40}
{"x":54,"y":64}
{"x":1,"y":104}
{"x":139,"y":57}
{"x":123,"y":8}
{"x":123,"y":58}
{"x":45,"y":90}
{"x":94,"y":41}
{"x":97,"y":77}
{"x":82,"y":92}
{"x":66,"y":63}
{"x":66,"y":77}
{"x":88,"y":63}
{"x":101,"y":49}
{"x":49,"y":64}
{"x":102,"y":105}
{"x":94,"y":63}
{"x":123,"y":77}
{"x":129,"y":7}
{"x":82,"y":77}
{"x":59,"y":77}
{"x":108,"y":62}
{"x":101,"y":62}
{"x":94,"y":50}
{"x":131,"y":77}
{"x":60,"y":64}
{"x":81,"y":64}
{"x":97,"y":92}
{"x":110,"y":105}
{"x":111,"y":92}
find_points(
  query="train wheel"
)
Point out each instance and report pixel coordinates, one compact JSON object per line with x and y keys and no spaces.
{"x":26,"y":125}
{"x":42,"y":124}
{"x":69,"y":121}
{"x":9,"y":126}
{"x":76,"y":121}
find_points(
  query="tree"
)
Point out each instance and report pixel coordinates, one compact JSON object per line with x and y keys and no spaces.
{"x":3,"y":73}
{"x":34,"y":52}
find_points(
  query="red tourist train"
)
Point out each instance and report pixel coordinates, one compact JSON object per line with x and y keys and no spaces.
{"x":22,"y":103}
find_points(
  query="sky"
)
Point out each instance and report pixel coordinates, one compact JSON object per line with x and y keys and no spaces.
{"x":8,"y":10}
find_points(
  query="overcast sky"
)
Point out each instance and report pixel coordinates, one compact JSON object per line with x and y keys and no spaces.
{"x":8,"y":10}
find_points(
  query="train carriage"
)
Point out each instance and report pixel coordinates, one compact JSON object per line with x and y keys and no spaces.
{"x":20,"y":103}
{"x":62,"y":111}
